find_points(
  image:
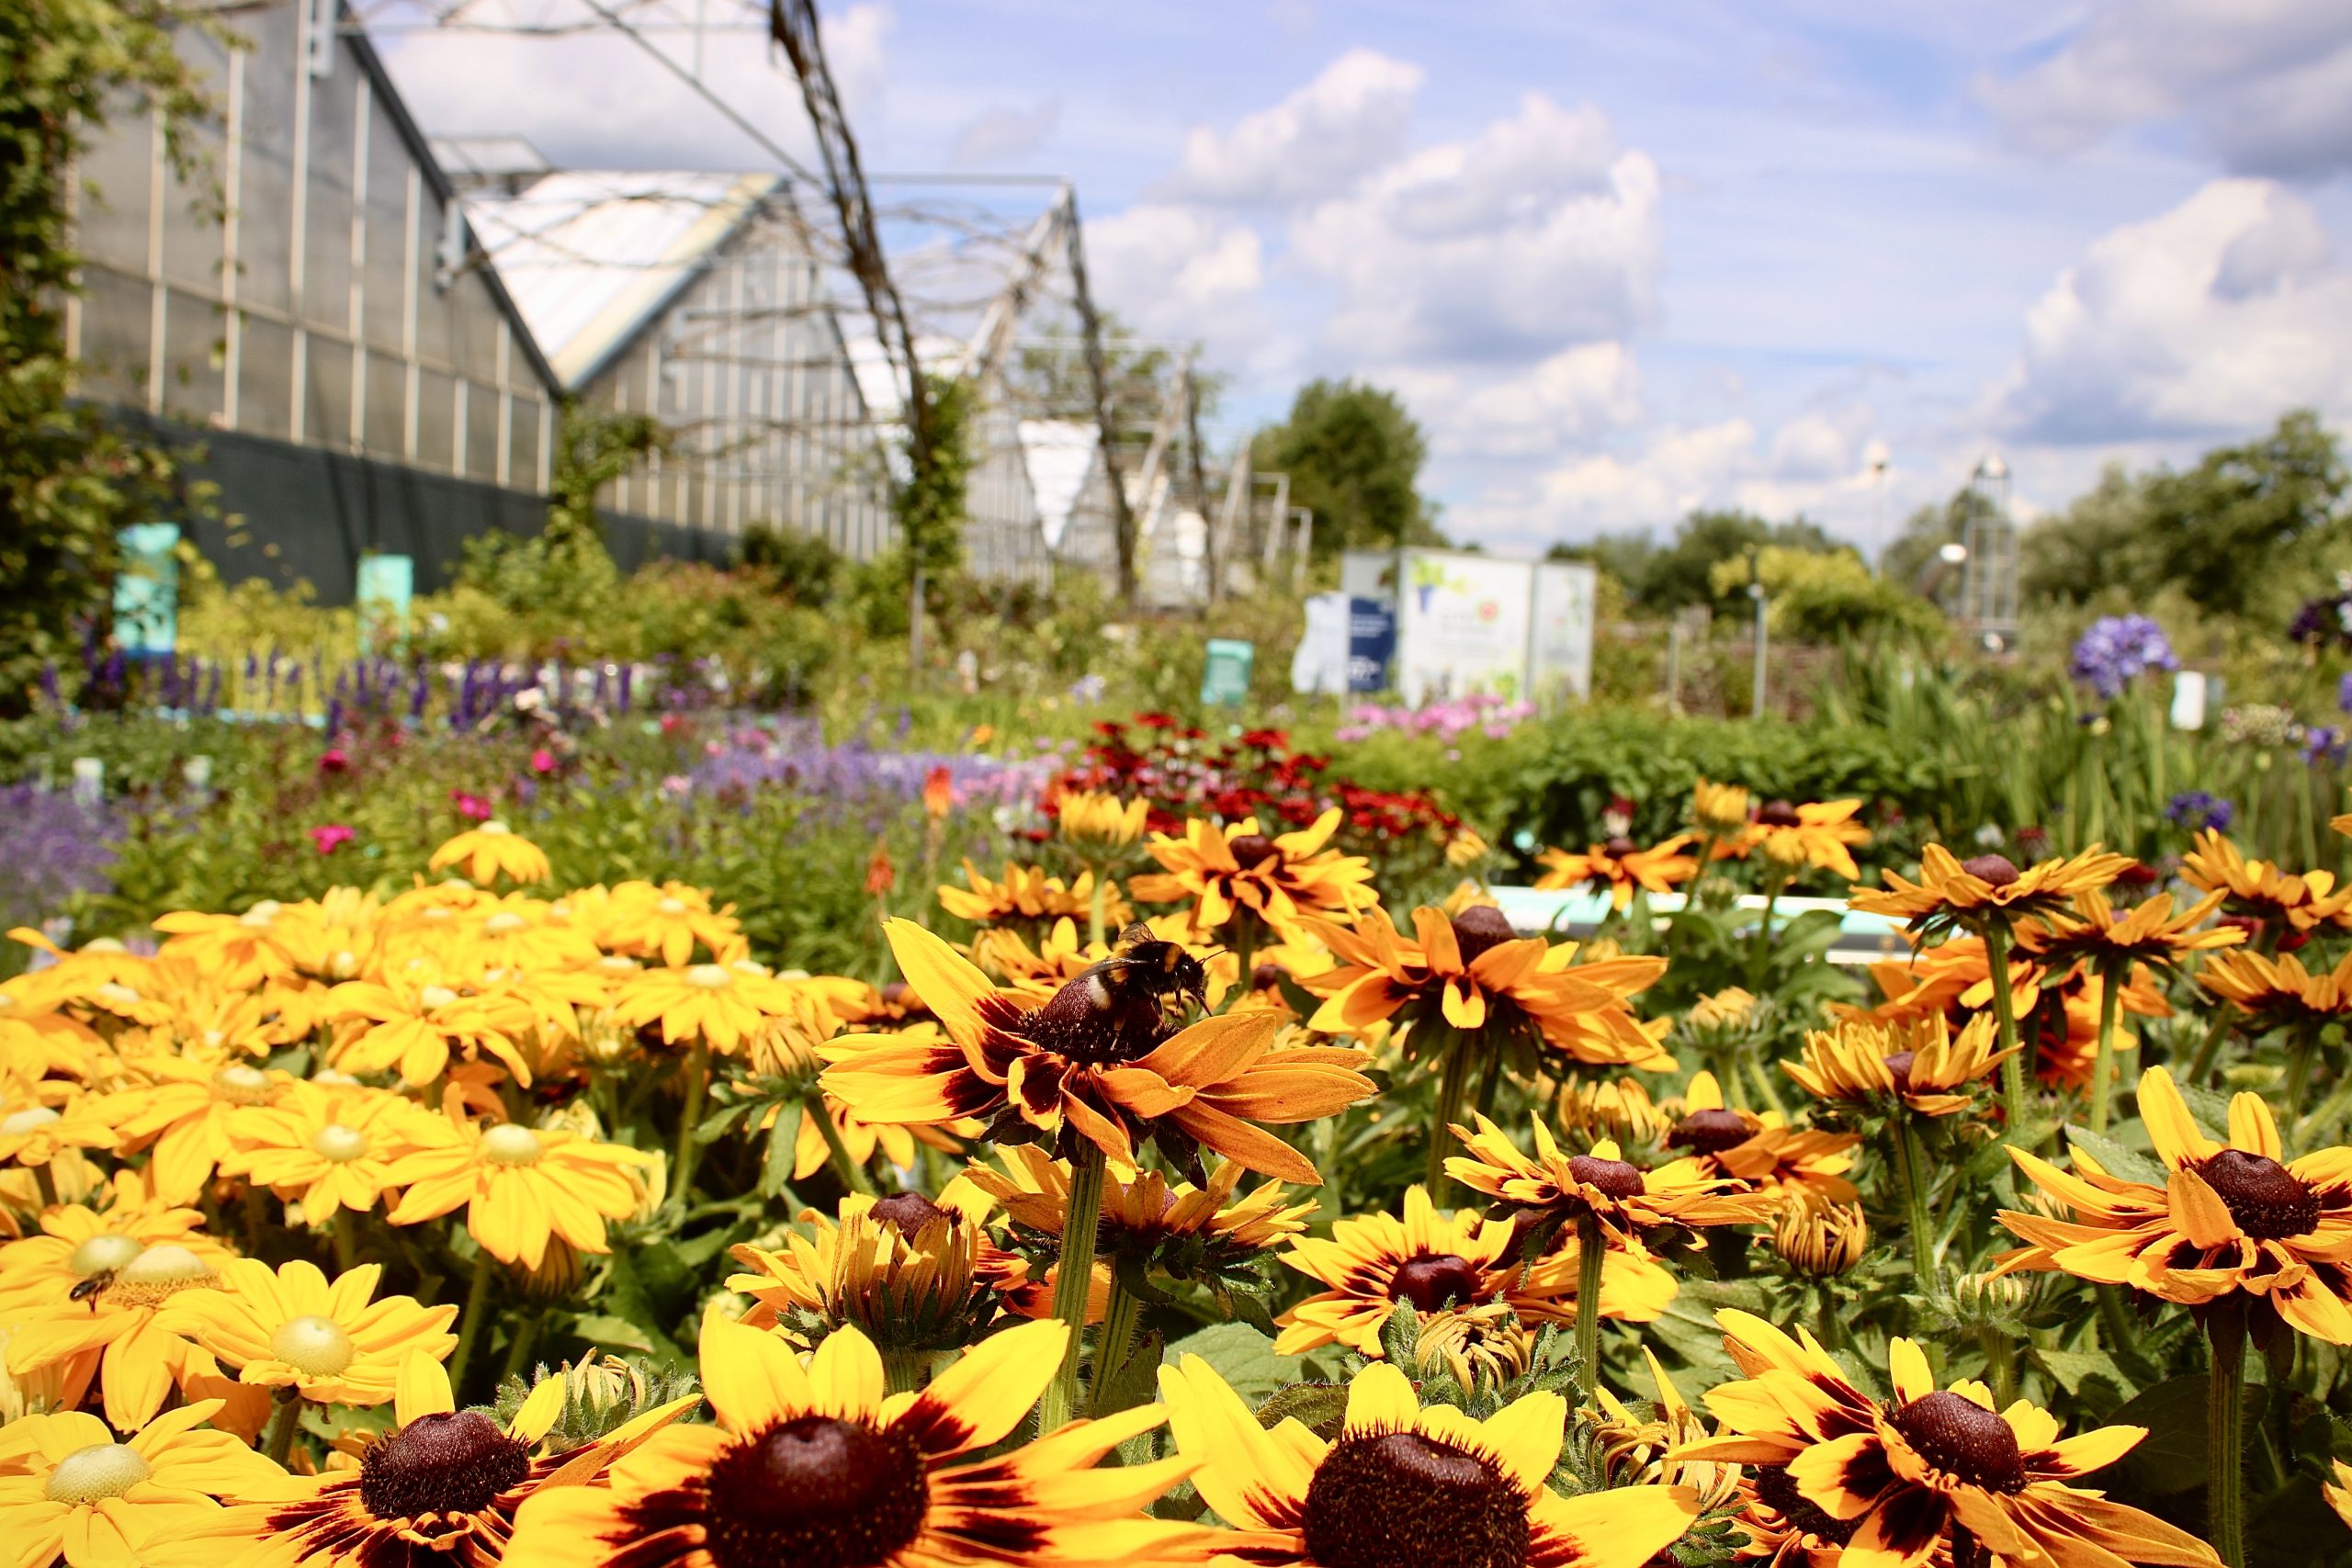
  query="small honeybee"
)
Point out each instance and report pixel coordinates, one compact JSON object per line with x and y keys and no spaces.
{"x":1115,"y":1009}
{"x":87,"y":1290}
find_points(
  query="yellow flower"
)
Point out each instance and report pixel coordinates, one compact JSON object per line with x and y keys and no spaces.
{"x":912,"y":1273}
{"x":2261,"y":891}
{"x":70,"y":1490}
{"x":1093,"y":822}
{"x":521,"y":1187}
{"x":78,"y":1242}
{"x":1795,"y":837}
{"x":815,"y":1464}
{"x":1988,"y":890}
{"x":1621,"y":866}
{"x":1221,"y":871}
{"x":1143,"y":1210}
{"x":491,"y":851}
{"x":1819,"y":1238}
{"x":1629,"y":1202}
{"x":640,"y":921}
{"x":1921,"y":1063}
{"x":722,"y":1005}
{"x":328,"y":1342}
{"x":1762,"y":1150}
{"x":116,"y":1336}
{"x":2149,"y":933}
{"x":1719,"y":809}
{"x":1436,"y":1488}
{"x":37,"y":1127}
{"x":415,"y":1023}
{"x":329,"y":1147}
{"x":2279,"y":993}
{"x":182,"y":1114}
{"x":1027,"y":895}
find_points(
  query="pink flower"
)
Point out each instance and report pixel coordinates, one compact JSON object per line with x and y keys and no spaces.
{"x":330,"y":837}
{"x":473,"y":808}
{"x":670,"y":722}
{"x":542,"y":761}
{"x":335,"y":761}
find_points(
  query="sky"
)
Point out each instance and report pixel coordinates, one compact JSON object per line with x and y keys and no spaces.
{"x":1620,"y":260}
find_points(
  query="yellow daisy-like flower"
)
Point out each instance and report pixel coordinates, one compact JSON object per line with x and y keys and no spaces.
{"x":1629,"y":1202}
{"x":723,"y":1006}
{"x":328,"y":1146}
{"x":1921,"y":1063}
{"x":1719,"y":809}
{"x":491,"y":851}
{"x":1472,"y":971}
{"x":1889,"y":1483}
{"x":240,"y":951}
{"x":1818,"y":1237}
{"x":521,"y":1187}
{"x":1221,"y":871}
{"x":816,"y":1465}
{"x":1621,"y":1109}
{"x":1969,"y":894}
{"x":2261,"y":891}
{"x":1821,"y":835}
{"x":412,"y":1022}
{"x":1144,"y":1209}
{"x":914,"y":1274}
{"x":1621,"y":867}
{"x":1762,"y":1149}
{"x":182,"y":1114}
{"x":331,"y":1342}
{"x":78,"y":1242}
{"x":1095,"y":822}
{"x":70,"y":1490}
{"x":442,"y":1487}
{"x":1027,"y":897}
{"x":2279,"y":993}
{"x":2149,"y":933}
{"x":1433,"y":1488}
{"x":40,"y":1123}
{"x":116,"y":1336}
{"x":638,"y":919}
{"x":2235,"y":1217}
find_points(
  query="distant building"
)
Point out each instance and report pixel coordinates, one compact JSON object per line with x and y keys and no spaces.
{"x":695,"y":297}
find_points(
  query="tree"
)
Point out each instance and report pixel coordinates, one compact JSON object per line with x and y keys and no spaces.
{"x":1828,"y":596}
{"x":68,"y":483}
{"x":2101,"y":540}
{"x":1355,"y":458}
{"x":2248,"y":520}
{"x":1684,"y":572}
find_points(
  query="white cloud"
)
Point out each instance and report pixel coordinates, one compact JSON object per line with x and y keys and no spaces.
{"x":1321,"y":140}
{"x":856,"y":57}
{"x":2204,"y":321}
{"x":1537,"y":231}
{"x":1006,"y":135}
{"x":1582,"y":391}
{"x":1178,"y":271}
{"x":2266,"y":84}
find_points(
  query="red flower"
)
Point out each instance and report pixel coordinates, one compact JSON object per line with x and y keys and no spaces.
{"x":335,"y":761}
{"x":331,"y":835}
{"x":542,"y":761}
{"x":473,"y":808}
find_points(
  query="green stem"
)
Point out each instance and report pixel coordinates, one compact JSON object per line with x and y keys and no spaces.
{"x":2310,"y":1131}
{"x":346,"y":1238}
{"x":1452,"y":1081}
{"x":682,"y":1164}
{"x":1760,"y":1072}
{"x":278,"y":1443}
{"x":1122,"y":1314}
{"x":1759,"y":956}
{"x":2299,"y":1068}
{"x":2110,"y":994}
{"x":854,"y":1174}
{"x":470,"y":1319}
{"x":1591,"y":1249}
{"x":1245,"y":950}
{"x":2000,"y":1364}
{"x":47,"y":1183}
{"x":1094,"y":902}
{"x":518,"y":1349}
{"x":903,"y":1368}
{"x":2225,"y":1430}
{"x":1074,"y":1282}
{"x":2211,"y":1046}
{"x":2014,"y":1066}
{"x":1910,"y":1168}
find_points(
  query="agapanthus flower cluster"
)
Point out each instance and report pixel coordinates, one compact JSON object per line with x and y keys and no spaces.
{"x":2117,"y":650}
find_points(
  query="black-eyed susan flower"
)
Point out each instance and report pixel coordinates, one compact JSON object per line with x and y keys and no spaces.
{"x":328,"y":1341}
{"x":77,"y":1242}
{"x":440,"y":1490}
{"x":1405,"y":1487}
{"x":1146,"y":1214}
{"x":639,"y":919}
{"x":492,"y":849}
{"x":1542,"y":1190}
{"x":328,"y":1146}
{"x":1791,"y":839}
{"x":816,"y":1465}
{"x":1923,"y":1064}
{"x":1888,"y":1484}
{"x":1222,"y":871}
{"x":71,"y":1490}
{"x":1719,"y":811}
{"x":41,"y":1123}
{"x":115,"y":1336}
{"x":1818,"y":1237}
{"x":241,"y":951}
{"x":1989,"y":891}
{"x":718,"y":1006}
{"x":2279,"y":993}
{"x":2258,"y":890}
{"x":1762,"y":1149}
{"x":1094,"y":823}
{"x":1620,"y":868}
{"x":412,"y":1022}
{"x":1636,"y":1443}
{"x":523,"y":1189}
{"x":1030,"y":898}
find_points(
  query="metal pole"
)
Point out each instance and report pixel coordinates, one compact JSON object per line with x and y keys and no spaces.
{"x":1763,"y":650}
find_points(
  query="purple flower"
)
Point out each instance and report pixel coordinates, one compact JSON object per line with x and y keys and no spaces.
{"x":2194,"y":809}
{"x":2118,"y":650}
{"x":2325,"y":743}
{"x":55,"y":848}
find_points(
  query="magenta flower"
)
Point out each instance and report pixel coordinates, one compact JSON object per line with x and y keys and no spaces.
{"x":335,"y":761}
{"x":473,"y":808}
{"x":542,"y":761}
{"x":331,"y":837}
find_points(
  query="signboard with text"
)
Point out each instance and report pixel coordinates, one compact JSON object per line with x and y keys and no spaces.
{"x":1462,"y":626}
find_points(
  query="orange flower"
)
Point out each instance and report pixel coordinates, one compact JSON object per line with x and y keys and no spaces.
{"x":1622,"y":867}
{"x":1990,"y":888}
{"x":1224,"y":870}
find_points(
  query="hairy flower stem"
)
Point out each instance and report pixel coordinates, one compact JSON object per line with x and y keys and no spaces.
{"x":278,"y":1441}
{"x":1760,"y":955}
{"x":346,"y":1239}
{"x":469,"y":1319}
{"x":2014,"y":1066}
{"x":518,"y":1348}
{"x":1911,"y":1170}
{"x":2298,"y":1067}
{"x":1450,"y":1083}
{"x":2225,"y":1430}
{"x":2000,"y":1363}
{"x":1073,"y":1284}
{"x":2211,"y":1046}
{"x":903,"y":1368}
{"x":1245,"y":950}
{"x":856,"y":1177}
{"x":47,"y":1183}
{"x":1122,"y":1313}
{"x":682,"y":1164}
{"x":1591,"y":1250}
{"x":2111,"y":996}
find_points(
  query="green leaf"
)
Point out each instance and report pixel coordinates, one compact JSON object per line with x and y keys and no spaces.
{"x":2072,"y":1368}
{"x":609,"y":1333}
{"x":784,"y":1142}
{"x":1137,"y":1380}
{"x":2123,"y":1164}
{"x":1245,"y":1358}
{"x":713,"y":1127}
{"x":1320,"y":1407}
{"x":2172,"y":1457}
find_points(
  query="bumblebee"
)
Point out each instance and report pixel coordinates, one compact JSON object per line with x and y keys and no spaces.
{"x":1118,"y":1009}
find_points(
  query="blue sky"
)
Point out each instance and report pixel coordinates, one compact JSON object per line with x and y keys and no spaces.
{"x":1626,"y":259}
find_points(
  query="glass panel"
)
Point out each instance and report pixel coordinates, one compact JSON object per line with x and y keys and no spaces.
{"x":385,"y":271}
{"x":434,"y":334}
{"x":264,"y":217}
{"x":523,"y":472}
{"x":265,"y":378}
{"x":481,"y":432}
{"x":116,"y":173}
{"x":326,"y":397}
{"x":118,"y":317}
{"x":387,"y":408}
{"x":194,"y":349}
{"x":326,"y":228}
{"x":437,"y":420}
{"x":192,"y":240}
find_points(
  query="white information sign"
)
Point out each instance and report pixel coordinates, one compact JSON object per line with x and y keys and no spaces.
{"x":1464,"y":626}
{"x":1562,"y":648}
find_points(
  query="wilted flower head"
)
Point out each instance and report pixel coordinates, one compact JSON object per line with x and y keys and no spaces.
{"x":2117,"y":649}
{"x":2257,"y":723}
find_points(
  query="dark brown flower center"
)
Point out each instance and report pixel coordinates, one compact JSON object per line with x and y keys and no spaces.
{"x":450,"y":1464}
{"x":1252,"y":850}
{"x":815,"y":1491}
{"x":1999,"y":870}
{"x":1778,"y":813}
{"x":1480,"y":928}
{"x":1430,"y":1282}
{"x":1401,"y":1501}
{"x":910,"y":1212}
{"x":1898,"y":1066}
{"x":1709,"y":1132}
{"x":1801,"y":1513}
{"x":2267,"y":1200}
{"x":1265,"y":977}
{"x":1619,"y":847}
{"x":2138,"y":874}
{"x":1613,"y":1178}
{"x":1960,"y":1437}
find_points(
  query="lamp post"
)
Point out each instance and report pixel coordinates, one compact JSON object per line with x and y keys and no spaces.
{"x":1763,"y":637}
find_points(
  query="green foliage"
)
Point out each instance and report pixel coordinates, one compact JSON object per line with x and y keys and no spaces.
{"x":67,"y":482}
{"x":592,"y":449}
{"x":1827,"y":596}
{"x":1661,"y":579}
{"x":802,"y":566}
{"x":929,"y":505}
{"x":1354,"y":457}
